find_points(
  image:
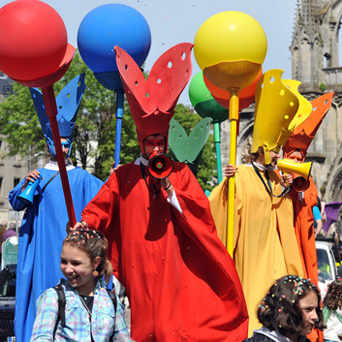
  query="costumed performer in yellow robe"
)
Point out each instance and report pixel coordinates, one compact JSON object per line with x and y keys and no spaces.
{"x":265,"y":246}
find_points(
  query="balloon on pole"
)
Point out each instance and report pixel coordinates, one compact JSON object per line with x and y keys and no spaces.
{"x":35,"y":52}
{"x":206,"y":106}
{"x":102,"y":29}
{"x":246,"y":95}
{"x":230,"y":48}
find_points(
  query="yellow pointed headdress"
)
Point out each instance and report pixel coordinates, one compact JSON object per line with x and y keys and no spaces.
{"x":279,"y":108}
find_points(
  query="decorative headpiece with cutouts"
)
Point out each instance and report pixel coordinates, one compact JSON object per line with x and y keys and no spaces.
{"x":152,"y":101}
{"x":68,"y":102}
{"x":304,"y":133}
{"x":279,"y":108}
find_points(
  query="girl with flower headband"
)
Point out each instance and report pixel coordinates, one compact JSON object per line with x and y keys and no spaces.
{"x":332,"y":312}
{"x":89,"y":311}
{"x":289,"y":311}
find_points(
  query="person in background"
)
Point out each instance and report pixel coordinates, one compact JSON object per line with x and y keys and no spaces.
{"x":3,"y":229}
{"x":42,"y":229}
{"x":337,"y":248}
{"x":318,"y":220}
{"x":289,"y":311}
{"x":11,"y":231}
{"x":332,"y":311}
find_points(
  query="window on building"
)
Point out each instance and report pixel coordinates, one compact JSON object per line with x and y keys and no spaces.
{"x":16,"y":182}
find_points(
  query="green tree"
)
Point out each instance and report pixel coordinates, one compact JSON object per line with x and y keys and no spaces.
{"x":94,"y":132}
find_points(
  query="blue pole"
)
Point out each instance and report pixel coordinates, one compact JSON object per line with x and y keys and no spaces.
{"x":119,"y":116}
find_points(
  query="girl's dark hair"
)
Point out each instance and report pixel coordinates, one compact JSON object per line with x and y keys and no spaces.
{"x":94,"y":244}
{"x":279,"y":310}
{"x":333,"y":298}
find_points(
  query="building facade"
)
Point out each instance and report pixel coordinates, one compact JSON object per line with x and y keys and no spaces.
{"x":14,"y":168}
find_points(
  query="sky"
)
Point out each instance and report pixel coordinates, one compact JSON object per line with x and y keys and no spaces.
{"x":177,"y":21}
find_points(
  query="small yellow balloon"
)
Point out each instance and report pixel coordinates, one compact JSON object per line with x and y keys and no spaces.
{"x":230,"y":36}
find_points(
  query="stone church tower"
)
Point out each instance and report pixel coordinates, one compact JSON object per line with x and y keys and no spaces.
{"x":315,"y":62}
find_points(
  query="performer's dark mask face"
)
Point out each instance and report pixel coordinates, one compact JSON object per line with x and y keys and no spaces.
{"x":152,"y":143}
{"x":296,"y":156}
{"x":274,"y":157}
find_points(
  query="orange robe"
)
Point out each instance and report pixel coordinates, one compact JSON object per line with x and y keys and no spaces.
{"x":303,"y":222}
{"x":305,"y":234}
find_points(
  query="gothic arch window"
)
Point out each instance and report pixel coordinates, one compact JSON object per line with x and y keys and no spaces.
{"x":336,"y":190}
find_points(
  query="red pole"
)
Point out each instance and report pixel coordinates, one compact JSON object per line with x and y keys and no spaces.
{"x":51,"y":112}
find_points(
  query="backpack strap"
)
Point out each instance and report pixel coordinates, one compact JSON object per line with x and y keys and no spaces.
{"x":112,"y":296}
{"x":61,"y":308}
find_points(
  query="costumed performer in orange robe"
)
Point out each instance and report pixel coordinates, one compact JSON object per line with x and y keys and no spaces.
{"x":181,"y":282}
{"x":265,"y":246}
{"x":303,"y":201}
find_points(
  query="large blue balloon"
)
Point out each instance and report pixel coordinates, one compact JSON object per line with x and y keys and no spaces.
{"x":110,"y":25}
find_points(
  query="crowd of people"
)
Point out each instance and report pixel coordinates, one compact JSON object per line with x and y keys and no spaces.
{"x":166,"y":242}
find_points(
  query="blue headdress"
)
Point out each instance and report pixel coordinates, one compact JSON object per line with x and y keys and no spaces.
{"x":68,"y":102}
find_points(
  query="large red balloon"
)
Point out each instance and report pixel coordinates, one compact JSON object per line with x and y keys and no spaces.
{"x":246,"y":95}
{"x":33,"y":39}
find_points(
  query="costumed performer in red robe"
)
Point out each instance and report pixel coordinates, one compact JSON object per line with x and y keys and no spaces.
{"x":181,"y":283}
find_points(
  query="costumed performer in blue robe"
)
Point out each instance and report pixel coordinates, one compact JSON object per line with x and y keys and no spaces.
{"x":43,"y":226}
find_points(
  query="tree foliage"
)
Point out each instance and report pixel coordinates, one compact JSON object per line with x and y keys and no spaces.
{"x":94,"y":132}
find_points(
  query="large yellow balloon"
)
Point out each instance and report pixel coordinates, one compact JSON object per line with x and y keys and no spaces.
{"x":229,"y":36}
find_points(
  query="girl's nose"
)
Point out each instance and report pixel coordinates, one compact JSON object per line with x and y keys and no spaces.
{"x":68,"y":269}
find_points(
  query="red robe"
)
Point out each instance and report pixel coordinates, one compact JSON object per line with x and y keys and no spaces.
{"x":181,"y":283}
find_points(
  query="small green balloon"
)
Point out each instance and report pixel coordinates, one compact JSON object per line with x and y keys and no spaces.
{"x":203,"y":102}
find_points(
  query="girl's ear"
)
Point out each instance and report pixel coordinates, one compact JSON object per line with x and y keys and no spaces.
{"x":96,"y":262}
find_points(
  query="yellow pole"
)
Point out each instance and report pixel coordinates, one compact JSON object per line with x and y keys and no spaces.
{"x":233,"y":117}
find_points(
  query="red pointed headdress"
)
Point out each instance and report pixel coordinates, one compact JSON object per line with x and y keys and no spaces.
{"x":152,"y":101}
{"x":303,"y":134}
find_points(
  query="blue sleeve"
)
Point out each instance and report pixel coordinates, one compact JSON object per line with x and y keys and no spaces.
{"x":316,"y":213}
{"x":12,"y":197}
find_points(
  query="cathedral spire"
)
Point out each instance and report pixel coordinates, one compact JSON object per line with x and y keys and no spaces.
{"x":309,"y":19}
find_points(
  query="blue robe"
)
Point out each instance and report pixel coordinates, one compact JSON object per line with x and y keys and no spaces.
{"x":41,"y":235}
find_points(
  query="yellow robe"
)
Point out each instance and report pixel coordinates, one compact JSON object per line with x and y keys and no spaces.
{"x":265,"y":245}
